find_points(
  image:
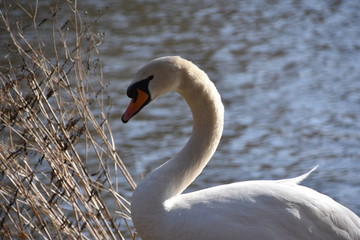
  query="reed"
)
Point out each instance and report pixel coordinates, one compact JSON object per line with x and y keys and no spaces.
{"x":54,"y":108}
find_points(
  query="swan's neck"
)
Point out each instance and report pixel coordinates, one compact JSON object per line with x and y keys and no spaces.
{"x":173,"y":177}
{"x":208,"y":112}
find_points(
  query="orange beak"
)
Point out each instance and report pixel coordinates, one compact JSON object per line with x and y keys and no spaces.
{"x":136,"y":104}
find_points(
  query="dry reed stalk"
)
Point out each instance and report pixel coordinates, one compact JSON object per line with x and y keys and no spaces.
{"x":53,"y":119}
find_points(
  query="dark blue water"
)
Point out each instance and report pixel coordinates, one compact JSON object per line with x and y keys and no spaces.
{"x":288,"y":72}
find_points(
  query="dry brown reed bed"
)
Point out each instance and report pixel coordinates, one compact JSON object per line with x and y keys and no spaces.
{"x":53,"y":119}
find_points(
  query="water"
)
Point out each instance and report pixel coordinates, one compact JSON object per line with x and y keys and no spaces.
{"x":288,"y":73}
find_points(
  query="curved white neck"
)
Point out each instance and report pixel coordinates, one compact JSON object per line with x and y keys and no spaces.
{"x":174,"y":176}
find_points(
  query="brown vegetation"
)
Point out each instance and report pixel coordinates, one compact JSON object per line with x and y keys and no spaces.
{"x":53,"y":122}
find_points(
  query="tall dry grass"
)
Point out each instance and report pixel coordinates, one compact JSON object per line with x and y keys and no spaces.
{"x":53,"y":121}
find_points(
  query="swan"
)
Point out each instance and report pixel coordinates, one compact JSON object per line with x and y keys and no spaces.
{"x":258,"y":210}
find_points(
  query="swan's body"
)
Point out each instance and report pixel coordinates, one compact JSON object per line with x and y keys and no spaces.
{"x":246,"y":210}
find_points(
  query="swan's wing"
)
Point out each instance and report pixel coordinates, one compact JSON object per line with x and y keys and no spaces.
{"x":260,"y":210}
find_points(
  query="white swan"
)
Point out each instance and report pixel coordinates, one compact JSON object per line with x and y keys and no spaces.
{"x":245,"y":210}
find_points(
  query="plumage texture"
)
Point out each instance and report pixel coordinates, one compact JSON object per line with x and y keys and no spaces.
{"x":268,"y":210}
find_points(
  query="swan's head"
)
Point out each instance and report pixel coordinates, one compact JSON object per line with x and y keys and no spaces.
{"x":154,"y":79}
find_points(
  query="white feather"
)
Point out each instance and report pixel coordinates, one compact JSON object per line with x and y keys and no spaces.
{"x":270,"y":210}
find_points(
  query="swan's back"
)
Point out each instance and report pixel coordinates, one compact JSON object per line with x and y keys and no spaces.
{"x":260,"y":210}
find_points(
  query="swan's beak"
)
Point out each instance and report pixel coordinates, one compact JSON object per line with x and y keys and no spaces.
{"x":136,"y":104}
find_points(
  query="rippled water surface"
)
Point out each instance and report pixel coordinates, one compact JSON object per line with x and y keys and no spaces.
{"x":288,"y":73}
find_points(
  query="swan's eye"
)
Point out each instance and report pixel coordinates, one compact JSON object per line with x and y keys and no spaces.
{"x":142,"y":85}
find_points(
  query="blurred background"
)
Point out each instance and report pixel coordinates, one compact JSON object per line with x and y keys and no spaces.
{"x":288,"y":72}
